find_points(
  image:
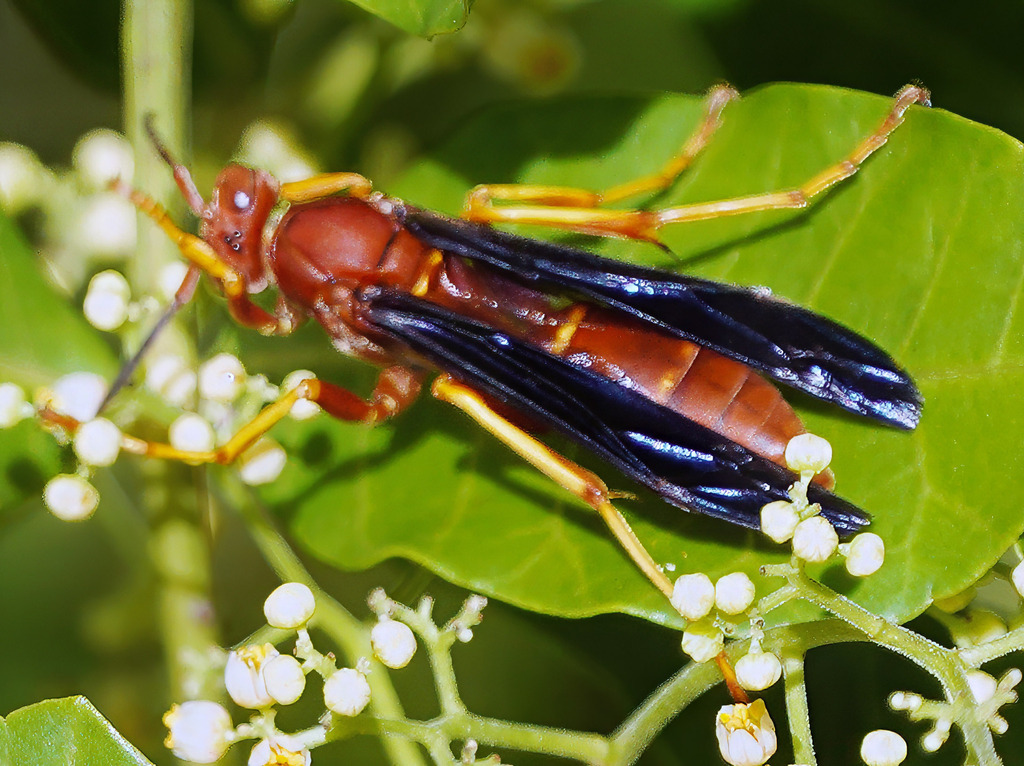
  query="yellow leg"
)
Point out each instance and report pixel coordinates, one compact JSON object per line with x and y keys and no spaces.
{"x":318,"y":187}
{"x":479,"y":201}
{"x":574,"y":209}
{"x":577,"y":480}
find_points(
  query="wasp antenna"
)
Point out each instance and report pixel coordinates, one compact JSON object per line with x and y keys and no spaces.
{"x":181,"y":297}
{"x":181,"y":175}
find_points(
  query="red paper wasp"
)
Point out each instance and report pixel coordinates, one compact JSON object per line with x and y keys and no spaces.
{"x":659,"y":374}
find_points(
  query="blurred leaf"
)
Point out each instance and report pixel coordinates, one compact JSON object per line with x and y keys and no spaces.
{"x":83,"y":35}
{"x":921,"y":251}
{"x":43,"y":338}
{"x":63,"y":732}
{"x":425,"y":18}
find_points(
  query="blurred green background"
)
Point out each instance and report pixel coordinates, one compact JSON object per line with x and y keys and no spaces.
{"x":363,"y":95}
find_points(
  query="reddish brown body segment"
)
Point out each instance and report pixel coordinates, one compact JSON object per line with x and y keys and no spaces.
{"x":322,"y":252}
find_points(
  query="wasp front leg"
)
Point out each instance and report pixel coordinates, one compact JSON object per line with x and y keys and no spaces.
{"x":585,"y":485}
{"x":396,"y":388}
{"x":578,"y":210}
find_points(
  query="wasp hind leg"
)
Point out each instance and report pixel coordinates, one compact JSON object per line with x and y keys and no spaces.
{"x":574,"y":478}
{"x":579,"y":210}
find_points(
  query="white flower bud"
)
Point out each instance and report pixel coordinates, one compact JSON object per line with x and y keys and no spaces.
{"x":106,"y":225}
{"x":734,"y":593}
{"x":13,"y":406}
{"x":905,"y":701}
{"x":284,"y":679}
{"x":290,"y":606}
{"x":1017,"y":576}
{"x":262,"y":462}
{"x":22,"y":178}
{"x":97,"y":442}
{"x":170,"y":279}
{"x":243,"y":676}
{"x":198,"y":731}
{"x":865,"y":555}
{"x":702,"y":641}
{"x":393,"y":643}
{"x":79,"y":395}
{"x":171,"y":378}
{"x":693,"y":595}
{"x":303,"y":409}
{"x":70,"y":498}
{"x":758,"y":670}
{"x":983,"y":686}
{"x":883,"y":748}
{"x":807,"y":452}
{"x":221,"y":378}
{"x":102,"y":156}
{"x":346,"y":692}
{"x":191,"y":433}
{"x":746,"y":734}
{"x":282,"y":750}
{"x":815,"y":540}
{"x":106,"y":300}
{"x":779,"y":519}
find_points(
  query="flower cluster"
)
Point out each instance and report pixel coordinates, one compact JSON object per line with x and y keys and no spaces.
{"x":227,"y":397}
{"x":259,"y":678}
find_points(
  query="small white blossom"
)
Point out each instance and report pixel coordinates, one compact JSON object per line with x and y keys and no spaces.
{"x":883,"y":748}
{"x":807,"y":452}
{"x":937,"y":737}
{"x":693,"y":595}
{"x":79,"y":395}
{"x":983,"y":686}
{"x":757,"y":671}
{"x":221,"y":378}
{"x":702,"y":641}
{"x":262,"y":462}
{"x":106,"y":225}
{"x":191,"y":433}
{"x":734,"y":593}
{"x":198,"y":731}
{"x":243,"y":675}
{"x":284,"y":679}
{"x":815,"y":540}
{"x":171,"y":378}
{"x":282,"y":750}
{"x":102,"y":156}
{"x":23,"y":179}
{"x":170,"y":279}
{"x":346,"y":692}
{"x":905,"y":701}
{"x":13,"y":406}
{"x":779,"y":520}
{"x":865,"y":555}
{"x":393,"y":643}
{"x":290,"y":606}
{"x":97,"y":442}
{"x":746,"y":734}
{"x":106,"y":300}
{"x":70,"y":498}
{"x":1017,"y":576}
{"x":303,"y":409}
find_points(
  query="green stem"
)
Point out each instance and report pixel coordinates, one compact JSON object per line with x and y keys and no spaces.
{"x":331,"y":617}
{"x":797,"y":712}
{"x":156,"y":41}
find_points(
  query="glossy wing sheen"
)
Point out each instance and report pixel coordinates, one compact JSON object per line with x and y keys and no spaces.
{"x":687,"y":464}
{"x":788,"y":343}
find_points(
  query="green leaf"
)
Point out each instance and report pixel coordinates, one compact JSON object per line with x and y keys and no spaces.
{"x":43,"y":338}
{"x":425,"y":18}
{"x":920,"y":251}
{"x":63,"y":732}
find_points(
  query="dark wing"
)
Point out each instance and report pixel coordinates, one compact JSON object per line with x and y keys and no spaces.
{"x":687,"y":464}
{"x":786,"y":342}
